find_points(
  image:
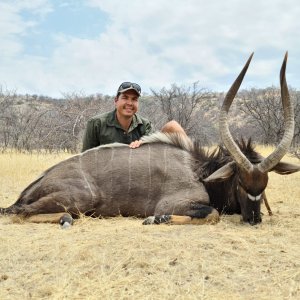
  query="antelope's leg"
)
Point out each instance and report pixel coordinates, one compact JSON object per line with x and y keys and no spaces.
{"x":267,"y":204}
{"x":59,"y":218}
{"x":203,"y":215}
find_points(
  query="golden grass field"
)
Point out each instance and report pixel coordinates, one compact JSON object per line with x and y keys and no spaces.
{"x":119,"y":258}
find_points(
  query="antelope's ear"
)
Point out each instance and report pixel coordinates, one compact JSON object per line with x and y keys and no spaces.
{"x":285,"y":168}
{"x":221,"y":174}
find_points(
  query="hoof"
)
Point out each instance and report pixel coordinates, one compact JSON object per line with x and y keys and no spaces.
{"x":149,"y":221}
{"x":157,"y":219}
{"x":66,"y":225}
{"x":66,"y":221}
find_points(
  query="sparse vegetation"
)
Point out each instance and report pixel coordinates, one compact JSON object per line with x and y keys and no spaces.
{"x":38,"y":123}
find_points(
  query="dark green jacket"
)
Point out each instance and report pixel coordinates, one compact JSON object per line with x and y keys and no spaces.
{"x":105,"y":129}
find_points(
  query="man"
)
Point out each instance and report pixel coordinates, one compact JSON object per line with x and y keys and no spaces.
{"x":123,"y":124}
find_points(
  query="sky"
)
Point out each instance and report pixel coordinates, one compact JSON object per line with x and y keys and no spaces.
{"x":59,"y":47}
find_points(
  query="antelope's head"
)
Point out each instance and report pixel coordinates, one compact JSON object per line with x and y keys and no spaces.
{"x":253,"y":178}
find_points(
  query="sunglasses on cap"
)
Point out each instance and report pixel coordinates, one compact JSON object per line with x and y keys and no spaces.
{"x":126,"y":86}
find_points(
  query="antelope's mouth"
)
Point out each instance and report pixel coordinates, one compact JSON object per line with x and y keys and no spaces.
{"x":252,"y":214}
{"x":254,"y":219}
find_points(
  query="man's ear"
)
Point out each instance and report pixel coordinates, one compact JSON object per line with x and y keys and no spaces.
{"x":222,"y":174}
{"x":285,"y":168}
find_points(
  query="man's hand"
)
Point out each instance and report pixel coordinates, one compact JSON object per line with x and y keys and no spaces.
{"x":135,"y":144}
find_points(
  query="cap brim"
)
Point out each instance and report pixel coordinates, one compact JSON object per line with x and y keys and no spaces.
{"x":128,"y":89}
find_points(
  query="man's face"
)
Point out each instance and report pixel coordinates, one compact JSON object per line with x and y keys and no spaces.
{"x":127,"y":103}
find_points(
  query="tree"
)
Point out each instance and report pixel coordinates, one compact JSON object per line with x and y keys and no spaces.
{"x":186,"y":105}
{"x":70,"y":117}
{"x":263,"y":110}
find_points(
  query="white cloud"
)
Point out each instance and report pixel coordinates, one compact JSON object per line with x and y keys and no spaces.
{"x":155,"y":44}
{"x":13,"y":26}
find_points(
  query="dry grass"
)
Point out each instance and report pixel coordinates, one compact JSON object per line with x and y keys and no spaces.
{"x":121,"y":259}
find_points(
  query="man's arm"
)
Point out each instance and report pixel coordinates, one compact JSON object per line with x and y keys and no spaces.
{"x":135,"y":144}
{"x":90,"y":138}
{"x":148,"y":130}
{"x":173,"y":127}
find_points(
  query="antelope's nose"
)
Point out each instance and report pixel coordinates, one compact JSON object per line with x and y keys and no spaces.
{"x":254,"y":219}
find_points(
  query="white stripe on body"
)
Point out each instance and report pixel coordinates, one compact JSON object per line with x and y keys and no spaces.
{"x":88,"y":186}
{"x":129,"y":171}
{"x":149,"y":174}
{"x":165,"y":165}
{"x":111,"y":173}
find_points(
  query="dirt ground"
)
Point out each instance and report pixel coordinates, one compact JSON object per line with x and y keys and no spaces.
{"x":119,"y":258}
